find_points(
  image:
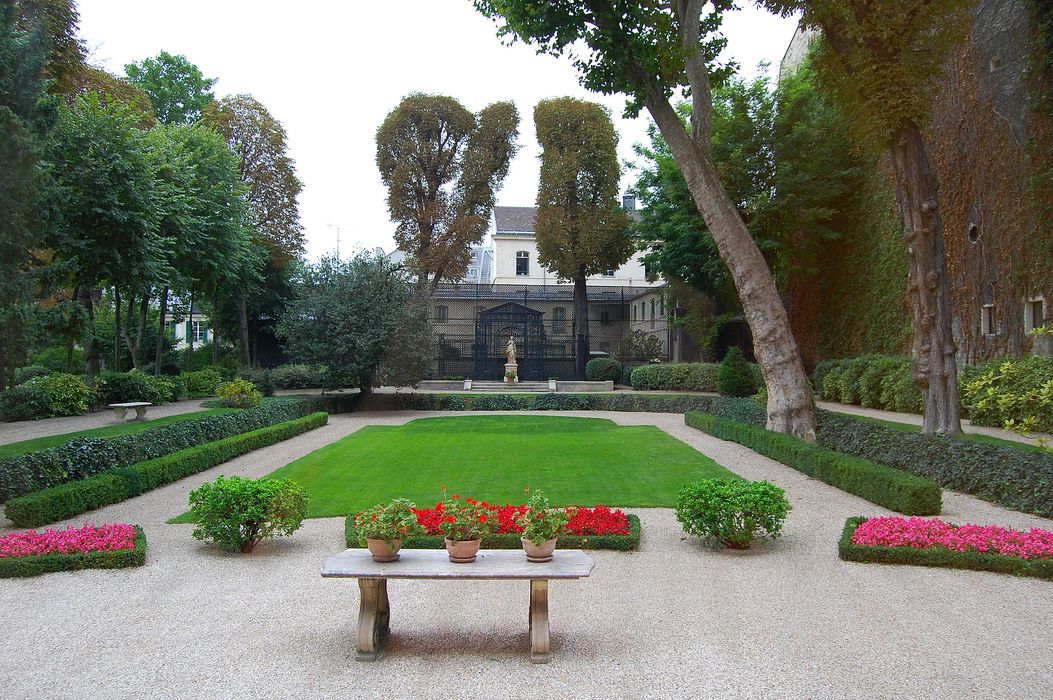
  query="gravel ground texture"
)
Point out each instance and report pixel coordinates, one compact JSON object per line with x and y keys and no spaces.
{"x":29,"y":429}
{"x":787,"y":619}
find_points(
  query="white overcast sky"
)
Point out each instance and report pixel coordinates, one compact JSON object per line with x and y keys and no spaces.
{"x":331,"y":71}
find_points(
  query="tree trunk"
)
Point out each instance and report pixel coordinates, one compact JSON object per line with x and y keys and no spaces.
{"x":790,"y":405}
{"x":160,"y":344}
{"x":190,"y":334}
{"x":581,"y":315}
{"x":140,"y":330}
{"x":933,"y":367}
{"x":243,"y":328}
{"x":117,"y":330}
{"x":215,"y":326}
{"x":91,"y":348}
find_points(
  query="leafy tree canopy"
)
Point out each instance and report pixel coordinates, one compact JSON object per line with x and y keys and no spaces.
{"x":177,"y":89}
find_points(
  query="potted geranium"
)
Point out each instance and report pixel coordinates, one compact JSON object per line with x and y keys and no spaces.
{"x":463,"y":524}
{"x":383,"y":527}
{"x":542,"y":526}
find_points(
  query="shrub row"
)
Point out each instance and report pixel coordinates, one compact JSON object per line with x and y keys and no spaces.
{"x":695,"y":376}
{"x":877,"y":483}
{"x":874,"y":381}
{"x":624,"y":543}
{"x":299,"y":376}
{"x":45,"y":396}
{"x":72,"y":499}
{"x":85,"y":456}
{"x":1018,"y":479}
{"x":934,"y":556}
{"x":119,"y":387}
{"x":34,"y":565}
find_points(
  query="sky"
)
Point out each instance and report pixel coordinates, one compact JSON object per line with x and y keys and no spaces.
{"x":330,"y":72}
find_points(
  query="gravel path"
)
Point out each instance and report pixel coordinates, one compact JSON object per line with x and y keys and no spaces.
{"x":784,"y":620}
{"x":29,"y":429}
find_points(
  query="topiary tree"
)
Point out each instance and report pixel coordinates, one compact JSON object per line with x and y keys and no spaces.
{"x":735,"y":377}
{"x":603,"y":369}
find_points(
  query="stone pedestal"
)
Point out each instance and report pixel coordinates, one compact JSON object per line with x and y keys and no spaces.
{"x":513,"y":369}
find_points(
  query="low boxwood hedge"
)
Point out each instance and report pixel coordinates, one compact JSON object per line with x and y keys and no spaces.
{"x":623,"y":543}
{"x":885,"y":486}
{"x":20,"y":567}
{"x":998,"y":563}
{"x":72,"y":499}
{"x":84,"y":457}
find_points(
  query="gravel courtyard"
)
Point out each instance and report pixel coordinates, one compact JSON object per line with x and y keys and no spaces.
{"x":784,"y":620}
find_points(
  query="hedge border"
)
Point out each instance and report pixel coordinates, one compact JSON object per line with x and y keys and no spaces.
{"x":37,"y":564}
{"x":939,"y":557}
{"x":621,"y":543}
{"x":892,"y":488}
{"x":76,"y":497}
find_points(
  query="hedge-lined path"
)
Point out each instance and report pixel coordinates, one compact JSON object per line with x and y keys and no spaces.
{"x":29,"y":429}
{"x":785,"y":620}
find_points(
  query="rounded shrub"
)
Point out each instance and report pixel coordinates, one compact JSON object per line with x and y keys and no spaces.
{"x":238,"y":513}
{"x":875,"y":371}
{"x":603,"y":369}
{"x":69,"y":394}
{"x":299,"y":376}
{"x":118,"y":387}
{"x":202,"y":384}
{"x":899,"y":392}
{"x":27,"y":401}
{"x":735,"y":377}
{"x":261,"y":379}
{"x":239,"y":393}
{"x":24,"y":374}
{"x":732,"y":512}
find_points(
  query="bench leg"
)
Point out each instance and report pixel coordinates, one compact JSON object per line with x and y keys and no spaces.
{"x":120,"y":413}
{"x":539,"y":620}
{"x":140,"y":412}
{"x":373,"y":618}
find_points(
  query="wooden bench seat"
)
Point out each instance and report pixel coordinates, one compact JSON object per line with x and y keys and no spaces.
{"x":433,"y":564}
{"x":121,"y":409}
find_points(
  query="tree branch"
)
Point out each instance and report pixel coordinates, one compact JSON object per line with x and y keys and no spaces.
{"x":690,"y":13}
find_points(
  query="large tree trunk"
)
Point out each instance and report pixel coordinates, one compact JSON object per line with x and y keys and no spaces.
{"x":159,"y":345}
{"x":933,"y":367}
{"x":91,"y":348}
{"x":243,"y":329}
{"x":190,"y":335}
{"x":581,"y":319}
{"x":116,"y":329}
{"x":215,"y":328}
{"x":135,"y":346}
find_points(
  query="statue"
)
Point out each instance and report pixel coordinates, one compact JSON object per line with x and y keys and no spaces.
{"x":510,"y":350}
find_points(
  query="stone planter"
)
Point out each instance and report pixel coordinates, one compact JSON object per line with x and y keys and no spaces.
{"x":462,"y":551}
{"x":381,"y":551}
{"x":539,"y":552}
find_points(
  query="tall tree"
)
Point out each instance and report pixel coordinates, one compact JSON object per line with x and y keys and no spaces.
{"x":581,"y":229}
{"x":881,"y":59}
{"x":648,"y":50}
{"x":178,"y":91}
{"x":442,"y":166}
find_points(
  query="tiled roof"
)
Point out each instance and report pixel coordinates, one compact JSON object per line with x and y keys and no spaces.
{"x":521,"y":219}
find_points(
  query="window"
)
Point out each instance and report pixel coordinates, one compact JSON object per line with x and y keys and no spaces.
{"x":634,"y":313}
{"x":198,"y":331}
{"x":472,"y":273}
{"x":987,"y":319}
{"x":605,"y":318}
{"x":172,"y":325}
{"x":608,"y":273}
{"x":1033,"y":313}
{"x":522,"y":263}
{"x":559,"y":320}
{"x":441,"y":312}
{"x":652,"y":313}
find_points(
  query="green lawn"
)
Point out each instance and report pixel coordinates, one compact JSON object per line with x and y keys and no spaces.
{"x":585,"y":461}
{"x":973,"y":437}
{"x":107,"y":431}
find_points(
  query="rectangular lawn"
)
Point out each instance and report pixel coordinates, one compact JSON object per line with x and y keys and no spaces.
{"x":585,"y":461}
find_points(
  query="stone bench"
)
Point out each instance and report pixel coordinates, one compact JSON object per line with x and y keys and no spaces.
{"x":121,"y":409}
{"x":434,"y":564}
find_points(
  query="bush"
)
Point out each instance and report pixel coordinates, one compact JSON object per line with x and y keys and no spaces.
{"x":874,"y":374}
{"x":55,"y":359}
{"x":27,"y":401}
{"x":299,"y":376}
{"x":261,"y":379}
{"x":848,"y":379}
{"x":822,"y":368}
{"x":874,"y":381}
{"x":734,"y":377}
{"x":20,"y":567}
{"x":24,"y":374}
{"x":72,"y":499}
{"x":877,"y":483}
{"x":603,"y":369}
{"x":1020,"y":391}
{"x":239,"y":393}
{"x":45,"y":396}
{"x":899,"y":392}
{"x":238,"y":513}
{"x":201,"y":384}
{"x":120,"y":387}
{"x":732,"y":512}
{"x":694,"y":376}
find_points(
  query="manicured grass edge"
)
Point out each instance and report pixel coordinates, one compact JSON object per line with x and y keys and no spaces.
{"x":892,"y":488}
{"x":76,"y":497}
{"x":35,"y":565}
{"x":936,"y":556}
{"x":623,"y":543}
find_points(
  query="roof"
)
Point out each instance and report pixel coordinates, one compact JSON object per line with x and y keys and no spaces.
{"x":522,"y":219}
{"x":525,"y":294}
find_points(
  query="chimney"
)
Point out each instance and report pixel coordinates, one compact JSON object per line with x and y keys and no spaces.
{"x":629,"y":202}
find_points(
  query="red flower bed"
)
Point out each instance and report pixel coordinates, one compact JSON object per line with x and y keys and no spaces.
{"x":599,"y":520}
{"x":926,"y":533}
{"x":72,"y":540}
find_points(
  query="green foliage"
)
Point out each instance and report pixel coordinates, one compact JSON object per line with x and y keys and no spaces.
{"x":23,"y":374}
{"x":299,"y":376}
{"x":262,"y":380}
{"x":541,"y":522}
{"x":876,"y":482}
{"x":240,"y":393}
{"x":21,"y":567}
{"x":940,"y":557}
{"x":732,"y":512}
{"x":874,"y":381}
{"x":178,"y":91}
{"x":394,"y":520}
{"x":698,"y":376}
{"x":637,"y":346}
{"x":54,"y":358}
{"x":734,"y":376}
{"x":602,"y":369}
{"x":71,"y":499}
{"x":27,"y":401}
{"x":1013,"y":478}
{"x":238,"y":513}
{"x":1013,"y":392}
{"x":45,"y":396}
{"x":113,"y":387}
{"x":201,"y":384}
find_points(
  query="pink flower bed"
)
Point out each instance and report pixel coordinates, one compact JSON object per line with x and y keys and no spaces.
{"x":72,"y":540}
{"x":925,"y":533}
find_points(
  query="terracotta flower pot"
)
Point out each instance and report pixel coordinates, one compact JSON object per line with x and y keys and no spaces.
{"x":539,"y":552}
{"x":462,"y":551}
{"x":381,"y":551}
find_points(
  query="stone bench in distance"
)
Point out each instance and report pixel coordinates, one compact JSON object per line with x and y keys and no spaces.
{"x":121,"y":409}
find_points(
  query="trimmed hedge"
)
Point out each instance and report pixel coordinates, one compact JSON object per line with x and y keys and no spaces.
{"x":34,"y":565}
{"x":977,"y":561}
{"x":118,"y":387}
{"x":83,"y":457}
{"x":885,"y":486}
{"x":1016,"y":479}
{"x":74,"y":498}
{"x":602,"y":369}
{"x":693,"y":376}
{"x":623,"y":543}
{"x":874,"y":381}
